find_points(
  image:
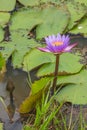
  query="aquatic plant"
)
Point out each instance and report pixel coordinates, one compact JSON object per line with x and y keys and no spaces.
{"x":57,"y":45}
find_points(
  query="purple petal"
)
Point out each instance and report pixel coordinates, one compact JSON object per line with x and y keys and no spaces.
{"x":68,"y":48}
{"x":43,"y":49}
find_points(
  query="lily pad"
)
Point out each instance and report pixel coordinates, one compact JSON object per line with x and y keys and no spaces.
{"x":75,"y":90}
{"x":69,"y":64}
{"x":4,"y":18}
{"x":80,"y":28}
{"x":77,"y":11}
{"x":82,"y":2}
{"x":7,"y":5}
{"x":36,"y":58}
{"x":51,"y":24}
{"x":29,"y":2}
{"x":25,"y":19}
{"x":51,"y":1}
{"x":18,"y":47}
{"x":46,"y":20}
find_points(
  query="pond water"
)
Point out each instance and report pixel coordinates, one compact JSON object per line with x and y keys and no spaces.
{"x":19,"y":79}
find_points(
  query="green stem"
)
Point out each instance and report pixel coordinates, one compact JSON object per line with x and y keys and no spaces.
{"x":55,"y":74}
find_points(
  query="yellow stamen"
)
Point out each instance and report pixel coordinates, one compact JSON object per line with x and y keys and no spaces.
{"x":57,"y":43}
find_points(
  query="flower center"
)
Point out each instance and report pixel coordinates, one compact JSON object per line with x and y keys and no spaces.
{"x":57,"y":43}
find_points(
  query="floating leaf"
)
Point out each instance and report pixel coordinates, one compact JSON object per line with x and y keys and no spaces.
{"x":75,"y":91}
{"x":6,"y":49}
{"x":40,"y":84}
{"x":29,"y":2}
{"x":1,"y":34}
{"x":18,"y":47}
{"x":4,"y":18}
{"x":37,"y":90}
{"x":69,"y":64}
{"x":36,"y":58}
{"x":77,"y":11}
{"x":25,"y":19}
{"x":82,"y":2}
{"x":51,"y":1}
{"x":7,"y":5}
{"x":51,"y":24}
{"x":46,"y":20}
{"x":80,"y":28}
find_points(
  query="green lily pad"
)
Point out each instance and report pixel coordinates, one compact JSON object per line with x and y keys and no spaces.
{"x":18,"y":47}
{"x":77,"y":11}
{"x":25,"y":19}
{"x":39,"y":85}
{"x":69,"y":64}
{"x":29,"y":2}
{"x":82,"y":2}
{"x":46,"y":20}
{"x":80,"y":28}
{"x":1,"y":34}
{"x":36,"y":58}
{"x":4,"y":18}
{"x":51,"y":1}
{"x":7,"y":5}
{"x":51,"y":24}
{"x":75,"y":91}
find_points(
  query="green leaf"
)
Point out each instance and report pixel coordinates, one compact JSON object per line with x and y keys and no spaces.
{"x":1,"y":34}
{"x":77,"y":11}
{"x":2,"y":62}
{"x":82,"y":2}
{"x":40,"y":84}
{"x":29,"y":2}
{"x":7,"y":49}
{"x":46,"y":20}
{"x":51,"y":1}
{"x":4,"y":18}
{"x":7,"y":5}
{"x":18,"y":47}
{"x":36,"y":58}
{"x":75,"y":91}
{"x":1,"y":126}
{"x":38,"y":89}
{"x":51,"y":24}
{"x":69,"y":64}
{"x":80,"y":28}
{"x":25,"y":19}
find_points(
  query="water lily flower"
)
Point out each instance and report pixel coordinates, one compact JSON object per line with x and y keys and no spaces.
{"x":57,"y":44}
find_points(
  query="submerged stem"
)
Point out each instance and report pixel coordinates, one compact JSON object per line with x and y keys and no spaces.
{"x":55,"y":74}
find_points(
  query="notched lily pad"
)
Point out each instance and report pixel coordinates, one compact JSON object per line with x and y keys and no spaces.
{"x":69,"y":64}
{"x":7,"y":5}
{"x":80,"y":28}
{"x":77,"y":11}
{"x":51,"y":24}
{"x":4,"y":18}
{"x":29,"y":2}
{"x":75,"y":90}
{"x":25,"y":19}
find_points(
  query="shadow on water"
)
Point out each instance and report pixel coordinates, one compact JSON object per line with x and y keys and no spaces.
{"x":14,"y":96}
